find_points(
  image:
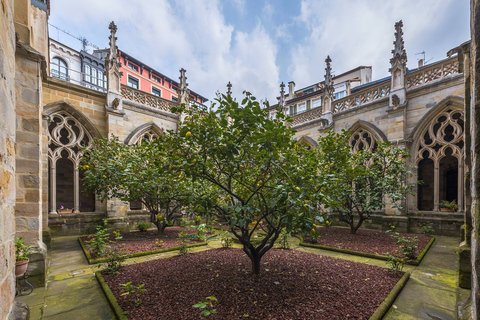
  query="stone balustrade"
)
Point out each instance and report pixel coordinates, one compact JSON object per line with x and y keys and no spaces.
{"x":147,"y":99}
{"x":435,"y":71}
{"x":364,"y":96}
{"x":306,"y":116}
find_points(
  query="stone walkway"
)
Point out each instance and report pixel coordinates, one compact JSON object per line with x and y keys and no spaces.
{"x":72,"y":291}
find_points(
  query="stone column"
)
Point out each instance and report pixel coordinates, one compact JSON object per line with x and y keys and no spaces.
{"x":436,"y":187}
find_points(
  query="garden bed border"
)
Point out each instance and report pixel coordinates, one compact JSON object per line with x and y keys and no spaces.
{"x":137,"y":254}
{"x":415,"y":262}
{"x":390,"y":299}
{"x":112,"y":301}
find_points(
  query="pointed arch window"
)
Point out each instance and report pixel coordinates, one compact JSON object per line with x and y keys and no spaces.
{"x":66,"y":137}
{"x":363,"y":140}
{"x":147,"y":135}
{"x":439,"y":158}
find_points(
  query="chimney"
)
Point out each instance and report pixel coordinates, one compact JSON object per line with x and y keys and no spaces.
{"x":420,"y":63}
{"x":291,"y":89}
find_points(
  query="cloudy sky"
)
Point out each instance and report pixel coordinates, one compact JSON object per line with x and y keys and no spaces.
{"x":256,"y":44}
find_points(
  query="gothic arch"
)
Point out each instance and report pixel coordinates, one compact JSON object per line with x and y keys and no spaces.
{"x":68,"y":130}
{"x":308,"y":141}
{"x":365,"y":136}
{"x":151,"y":130}
{"x":57,"y":106}
{"x":148,"y":131}
{"x":450,"y":100}
{"x":438,"y":153}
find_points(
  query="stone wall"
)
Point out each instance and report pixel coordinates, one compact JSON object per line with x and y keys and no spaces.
{"x":7,"y":157}
{"x":475,"y":148}
{"x":31,"y":48}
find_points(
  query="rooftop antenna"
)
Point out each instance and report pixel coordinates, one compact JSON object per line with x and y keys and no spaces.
{"x":83,"y":40}
{"x":424,"y":59}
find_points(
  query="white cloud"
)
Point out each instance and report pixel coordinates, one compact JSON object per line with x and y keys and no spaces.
{"x":169,"y":35}
{"x":357,"y":33}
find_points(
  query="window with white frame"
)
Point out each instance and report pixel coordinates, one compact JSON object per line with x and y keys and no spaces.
{"x":316,"y":103}
{"x":340,"y":95}
{"x":133,"y":82}
{"x":59,"y":69}
{"x":302,"y":107}
{"x":156,"y":92}
{"x":88,"y":71}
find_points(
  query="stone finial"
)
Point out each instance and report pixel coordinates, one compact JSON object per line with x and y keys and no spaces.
{"x":328,"y":77}
{"x":281,"y":101}
{"x":399,"y":55}
{"x":113,"y":54}
{"x":182,"y":91}
{"x":113,"y":73}
{"x":229,"y":89}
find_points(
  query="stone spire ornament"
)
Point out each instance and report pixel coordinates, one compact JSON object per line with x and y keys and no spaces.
{"x":182,"y":91}
{"x":281,"y":100}
{"x":229,"y":89}
{"x":328,"y":88}
{"x":398,"y":62}
{"x":112,"y":65}
{"x":398,"y":52}
{"x":326,"y":120}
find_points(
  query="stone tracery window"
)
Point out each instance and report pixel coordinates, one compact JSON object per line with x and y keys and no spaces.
{"x":363,"y":140}
{"x":66,"y":136}
{"x":439,"y":157}
{"x":146,"y":136}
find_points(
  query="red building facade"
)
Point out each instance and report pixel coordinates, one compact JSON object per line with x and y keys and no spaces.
{"x":142,"y":77}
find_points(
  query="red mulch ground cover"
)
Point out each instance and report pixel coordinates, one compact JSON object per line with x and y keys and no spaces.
{"x":292,"y":285}
{"x":370,"y":241}
{"x":133,"y":242}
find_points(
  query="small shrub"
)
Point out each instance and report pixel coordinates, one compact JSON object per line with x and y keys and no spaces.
{"x":133,"y":292}
{"x":159,"y":243}
{"x":427,"y":229}
{"x":21,"y":250}
{"x":284,"y":239}
{"x":143,"y":226}
{"x":452,"y":205}
{"x":395,"y":263}
{"x":115,"y":255}
{"x":226,"y":240}
{"x":117,"y":234}
{"x":99,"y":241}
{"x":206,"y":306}
{"x":408,"y":245}
{"x":184,"y":240}
{"x":200,"y":231}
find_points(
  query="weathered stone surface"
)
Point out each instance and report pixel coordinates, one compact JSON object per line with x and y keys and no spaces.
{"x":7,"y":154}
{"x":20,"y":311}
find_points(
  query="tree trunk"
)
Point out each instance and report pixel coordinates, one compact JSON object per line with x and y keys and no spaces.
{"x":254,"y":256}
{"x":160,"y":226}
